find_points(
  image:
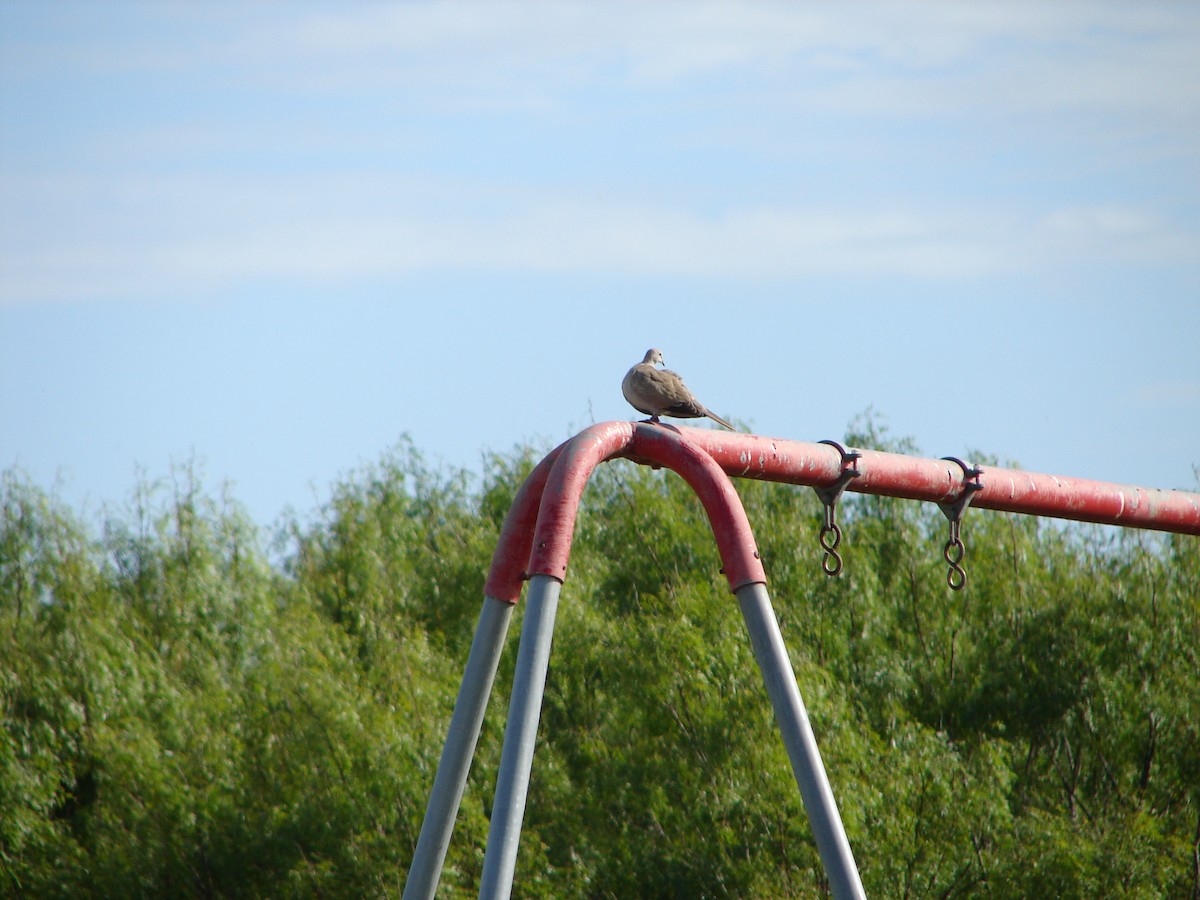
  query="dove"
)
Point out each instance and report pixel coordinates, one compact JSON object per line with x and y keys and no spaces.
{"x":660,"y":392}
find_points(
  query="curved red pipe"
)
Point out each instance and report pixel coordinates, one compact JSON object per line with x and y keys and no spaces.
{"x":561,"y":478}
{"x":507,"y":572}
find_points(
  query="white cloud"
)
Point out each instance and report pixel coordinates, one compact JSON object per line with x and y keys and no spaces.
{"x":95,"y":222}
{"x":1180,"y":395}
{"x":866,"y":57}
{"x":167,"y":235}
{"x":1100,"y":234}
{"x":1097,"y":222}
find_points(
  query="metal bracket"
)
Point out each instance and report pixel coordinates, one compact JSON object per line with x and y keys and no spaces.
{"x":831,"y":562}
{"x":953,"y":510}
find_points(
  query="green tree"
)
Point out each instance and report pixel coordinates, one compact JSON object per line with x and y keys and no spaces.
{"x":183,"y":717}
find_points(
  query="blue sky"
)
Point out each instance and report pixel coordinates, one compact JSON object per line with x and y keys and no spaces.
{"x":276,"y":237}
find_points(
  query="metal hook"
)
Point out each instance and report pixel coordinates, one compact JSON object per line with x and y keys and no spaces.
{"x":831,"y":562}
{"x":954,"y":550}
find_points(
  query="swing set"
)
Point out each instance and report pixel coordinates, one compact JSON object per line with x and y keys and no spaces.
{"x":535,"y":543}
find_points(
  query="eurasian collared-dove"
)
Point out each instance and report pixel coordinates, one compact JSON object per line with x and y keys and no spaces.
{"x":660,"y":392}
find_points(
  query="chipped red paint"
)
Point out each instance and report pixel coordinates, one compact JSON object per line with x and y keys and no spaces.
{"x":537,"y":533}
{"x":939,"y":480}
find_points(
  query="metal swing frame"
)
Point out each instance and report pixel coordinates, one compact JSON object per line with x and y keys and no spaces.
{"x":535,"y":544}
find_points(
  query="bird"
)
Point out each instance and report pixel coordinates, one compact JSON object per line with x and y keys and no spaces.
{"x":661,"y":392}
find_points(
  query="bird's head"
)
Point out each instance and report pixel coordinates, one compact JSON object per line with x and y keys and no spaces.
{"x":654,"y":357}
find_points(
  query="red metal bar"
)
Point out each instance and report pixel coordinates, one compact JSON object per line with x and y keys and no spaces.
{"x":939,"y":480}
{"x":696,"y":452}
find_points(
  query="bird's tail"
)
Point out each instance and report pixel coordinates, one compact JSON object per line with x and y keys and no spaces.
{"x":712,"y":415}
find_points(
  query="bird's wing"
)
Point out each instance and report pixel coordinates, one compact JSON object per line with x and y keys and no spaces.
{"x":684,"y":404}
{"x":674,"y":396}
{"x":659,"y":392}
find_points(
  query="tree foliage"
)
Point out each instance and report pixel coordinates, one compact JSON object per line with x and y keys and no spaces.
{"x":185,"y":715}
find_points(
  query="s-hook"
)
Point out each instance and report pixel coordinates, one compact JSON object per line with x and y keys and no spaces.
{"x":954,"y":551}
{"x":831,"y":534}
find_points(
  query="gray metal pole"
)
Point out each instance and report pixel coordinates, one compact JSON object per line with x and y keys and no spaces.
{"x":520,"y":736}
{"x":800,"y":742}
{"x":461,"y":738}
